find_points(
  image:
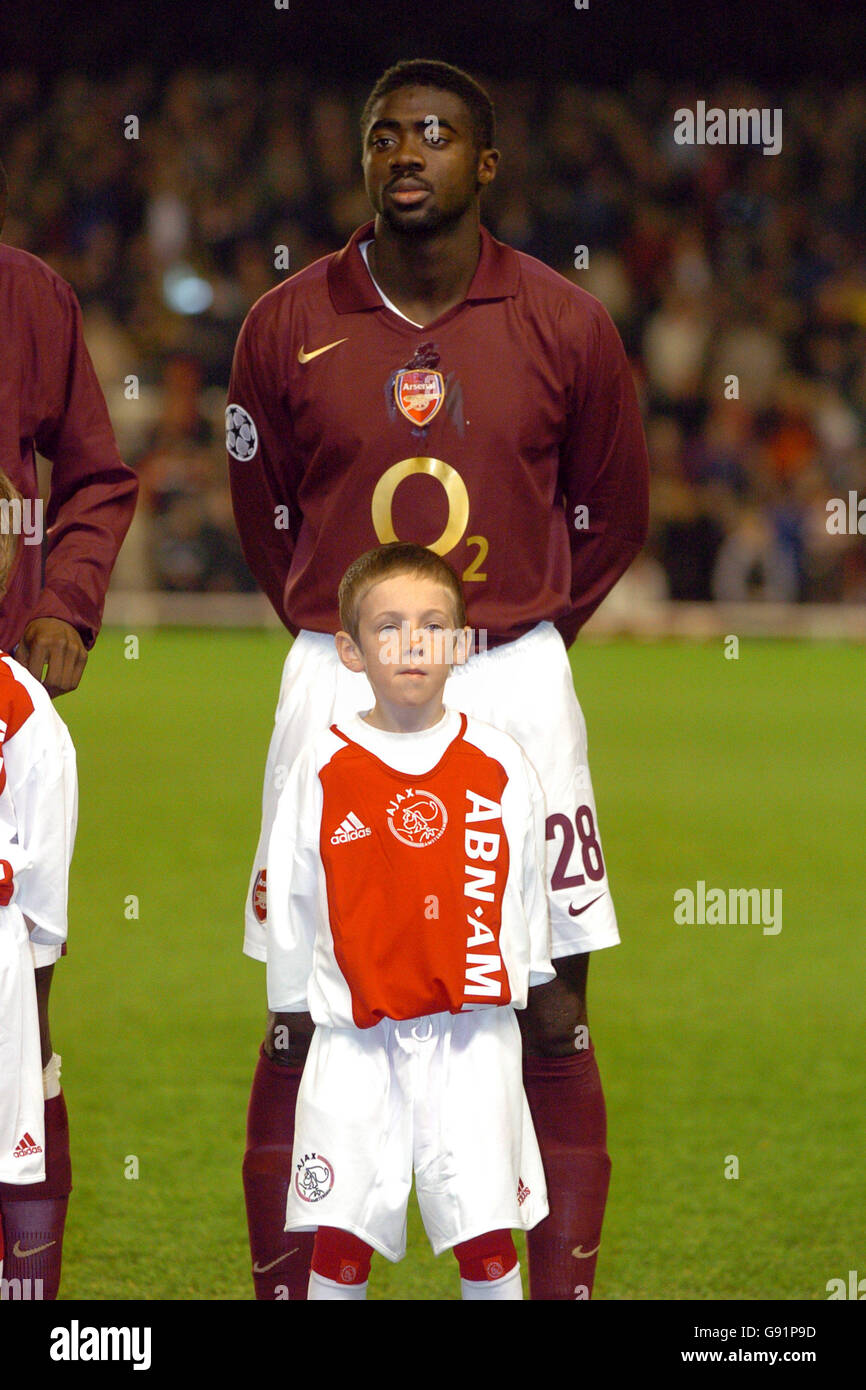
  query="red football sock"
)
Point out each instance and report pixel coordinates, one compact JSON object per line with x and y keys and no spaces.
{"x":281,"y":1259}
{"x":34,"y":1215}
{"x":567,"y":1106}
{"x":486,"y":1257}
{"x":341,"y":1256}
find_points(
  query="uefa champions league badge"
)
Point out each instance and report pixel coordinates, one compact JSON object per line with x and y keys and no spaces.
{"x":314,"y":1178}
{"x":242,"y":437}
{"x":419,"y":394}
{"x":416,"y":818}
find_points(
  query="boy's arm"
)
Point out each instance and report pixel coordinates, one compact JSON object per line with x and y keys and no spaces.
{"x":293,"y":888}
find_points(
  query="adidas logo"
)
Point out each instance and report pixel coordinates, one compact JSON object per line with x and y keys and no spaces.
{"x":26,"y":1145}
{"x":522,"y":1192}
{"x":350,"y":829}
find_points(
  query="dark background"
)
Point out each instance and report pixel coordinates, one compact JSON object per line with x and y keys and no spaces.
{"x":773,"y":42}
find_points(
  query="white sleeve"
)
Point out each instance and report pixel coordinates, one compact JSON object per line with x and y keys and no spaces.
{"x":535,"y":903}
{"x":293,"y":881}
{"x":40,"y":767}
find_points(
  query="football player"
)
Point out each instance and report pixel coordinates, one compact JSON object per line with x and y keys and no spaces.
{"x":51,"y":402}
{"x":429,"y":383}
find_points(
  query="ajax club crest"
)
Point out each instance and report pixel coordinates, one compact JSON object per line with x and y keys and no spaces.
{"x":419,"y":394}
{"x":314,"y":1177}
{"x":416,"y":817}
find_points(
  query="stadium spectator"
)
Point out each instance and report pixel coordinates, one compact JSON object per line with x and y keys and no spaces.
{"x":714,"y":261}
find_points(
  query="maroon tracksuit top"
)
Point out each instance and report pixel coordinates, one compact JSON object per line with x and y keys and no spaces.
{"x":51,"y":401}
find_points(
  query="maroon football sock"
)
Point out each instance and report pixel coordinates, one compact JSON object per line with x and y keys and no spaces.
{"x":281,"y":1259}
{"x":567,"y":1105}
{"x":34,"y":1215}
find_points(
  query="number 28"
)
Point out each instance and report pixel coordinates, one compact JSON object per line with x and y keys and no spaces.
{"x":590,"y":849}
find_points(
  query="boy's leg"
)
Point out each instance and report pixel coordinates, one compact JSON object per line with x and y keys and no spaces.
{"x":340,"y":1266}
{"x":489,"y":1271}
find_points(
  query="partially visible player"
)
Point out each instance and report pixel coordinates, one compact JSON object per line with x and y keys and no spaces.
{"x":428,"y":383}
{"x":50,"y":615}
{"x":38,"y":804}
{"x":408,"y":915}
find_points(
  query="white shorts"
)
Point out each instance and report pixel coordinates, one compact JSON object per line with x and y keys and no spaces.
{"x":22,"y":1110}
{"x":441,"y":1097}
{"x":524,"y":688}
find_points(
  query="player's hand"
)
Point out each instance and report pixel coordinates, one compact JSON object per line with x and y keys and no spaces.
{"x":53,"y":644}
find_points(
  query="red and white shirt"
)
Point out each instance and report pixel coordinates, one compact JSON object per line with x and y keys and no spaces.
{"x":38,"y":811}
{"x":405,"y":875}
{"x":38,"y":804}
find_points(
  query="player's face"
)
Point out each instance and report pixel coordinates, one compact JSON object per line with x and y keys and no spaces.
{"x":408,"y":642}
{"x":421,"y":165}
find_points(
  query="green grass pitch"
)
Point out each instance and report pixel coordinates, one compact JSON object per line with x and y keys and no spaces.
{"x":715,"y":1042}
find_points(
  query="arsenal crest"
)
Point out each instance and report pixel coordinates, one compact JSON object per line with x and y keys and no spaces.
{"x":419,"y":394}
{"x":260,"y":896}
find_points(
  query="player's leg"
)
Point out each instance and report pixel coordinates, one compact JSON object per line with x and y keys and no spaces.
{"x":281,"y":1260}
{"x":489,"y":1271}
{"x":315,"y":688}
{"x":340,"y":1267}
{"x":34,"y":1215}
{"x":527,"y":688}
{"x":567,"y":1105}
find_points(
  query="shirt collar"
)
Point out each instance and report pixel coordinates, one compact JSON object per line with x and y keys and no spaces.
{"x":351,"y":288}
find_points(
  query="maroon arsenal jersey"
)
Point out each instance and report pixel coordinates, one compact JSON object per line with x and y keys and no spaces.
{"x":50,"y":401}
{"x":505,"y":435}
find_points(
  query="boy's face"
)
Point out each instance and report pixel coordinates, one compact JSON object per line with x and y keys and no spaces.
{"x":407,"y":641}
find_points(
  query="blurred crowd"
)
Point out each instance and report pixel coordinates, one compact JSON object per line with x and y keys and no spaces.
{"x":737,"y":280}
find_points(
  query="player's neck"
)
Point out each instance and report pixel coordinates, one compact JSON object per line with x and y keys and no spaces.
{"x":404,"y":719}
{"x":426,"y":276}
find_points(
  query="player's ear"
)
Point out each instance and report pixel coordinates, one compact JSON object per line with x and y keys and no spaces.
{"x":348,"y":651}
{"x":488,"y":158}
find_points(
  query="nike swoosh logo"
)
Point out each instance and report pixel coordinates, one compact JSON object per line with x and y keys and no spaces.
{"x":576,"y":911}
{"x":580,"y":1254}
{"x":22,"y":1254}
{"x":263,"y":1269}
{"x":308,"y":356}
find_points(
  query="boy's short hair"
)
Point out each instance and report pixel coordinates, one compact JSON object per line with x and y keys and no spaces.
{"x":9,"y":537}
{"x":399,"y":557}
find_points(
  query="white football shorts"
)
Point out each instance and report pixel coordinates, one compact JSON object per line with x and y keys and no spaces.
{"x":22,"y":1111}
{"x":524,"y":688}
{"x":440,"y":1096}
